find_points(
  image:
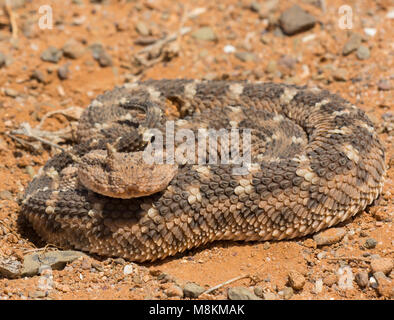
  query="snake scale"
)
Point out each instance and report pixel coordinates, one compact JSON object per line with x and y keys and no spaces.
{"x":316,"y":161}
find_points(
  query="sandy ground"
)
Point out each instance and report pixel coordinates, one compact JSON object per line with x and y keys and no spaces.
{"x":31,"y":87}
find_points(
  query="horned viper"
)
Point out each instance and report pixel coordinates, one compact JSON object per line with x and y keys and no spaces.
{"x":316,"y":161}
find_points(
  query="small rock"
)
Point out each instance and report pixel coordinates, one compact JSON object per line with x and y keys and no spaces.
{"x":384,"y":265}
{"x":362,"y":279}
{"x":241,"y":293}
{"x":51,"y":54}
{"x":318,"y":286}
{"x":385,"y":285}
{"x":38,"y":294}
{"x":128,"y":269}
{"x":2,"y":60}
{"x":205,"y":33}
{"x":352,"y":44}
{"x":5,"y":195}
{"x":310,"y":243}
{"x":63,"y":72}
{"x":269,"y":296}
{"x":340,"y":74}
{"x":295,"y":20}
{"x":105,"y":59}
{"x":329,"y":236}
{"x":39,"y":76}
{"x":287,"y":293}
{"x":255,"y":6}
{"x":296,"y":280}
{"x":174,"y":291}
{"x":330,"y":279}
{"x":370,"y":243}
{"x":55,"y":259}
{"x":30,"y":171}
{"x":373,"y":283}
{"x":363,"y":53}
{"x":73,"y":49}
{"x":370,"y":31}
{"x":258,"y":291}
{"x":384,"y":85}
{"x":245,"y":56}
{"x":11,"y":92}
{"x":142,"y":29}
{"x":346,"y":278}
{"x":271,"y":67}
{"x":192,"y":290}
{"x":10,"y":268}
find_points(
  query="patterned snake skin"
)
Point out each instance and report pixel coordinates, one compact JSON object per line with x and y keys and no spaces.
{"x":316,"y":161}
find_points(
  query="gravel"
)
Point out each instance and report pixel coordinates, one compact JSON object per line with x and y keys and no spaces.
{"x":295,"y":20}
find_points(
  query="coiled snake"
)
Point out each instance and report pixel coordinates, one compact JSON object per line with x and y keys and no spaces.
{"x":316,"y":161}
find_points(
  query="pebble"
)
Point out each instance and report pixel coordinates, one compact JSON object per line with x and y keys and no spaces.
{"x":63,"y":72}
{"x":384,"y":265}
{"x":330,"y":279}
{"x":2,"y":60}
{"x":245,"y":56}
{"x":370,"y":243}
{"x":346,"y":278}
{"x":269,"y":296}
{"x":73,"y":49}
{"x":363,"y":53}
{"x":318,"y":286}
{"x":229,"y":49}
{"x":51,"y":54}
{"x":340,"y":74}
{"x":295,"y":20}
{"x":204,"y":33}
{"x":5,"y":195}
{"x":258,"y":291}
{"x":241,"y":293}
{"x":10,"y":268}
{"x":362,"y":279}
{"x":287,"y":293}
{"x":30,"y":171}
{"x":128,"y":269}
{"x":384,"y":85}
{"x":352,"y":44}
{"x":11,"y":92}
{"x":174,"y":291}
{"x":385,"y":285}
{"x":142,"y":29}
{"x":255,"y":6}
{"x":296,"y":280}
{"x":192,"y":290}
{"x":329,"y":236}
{"x":370,"y":31}
{"x":39,"y":76}
{"x":271,"y":67}
{"x":55,"y":259}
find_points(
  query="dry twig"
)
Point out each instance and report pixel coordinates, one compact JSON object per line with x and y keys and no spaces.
{"x":225,"y":283}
